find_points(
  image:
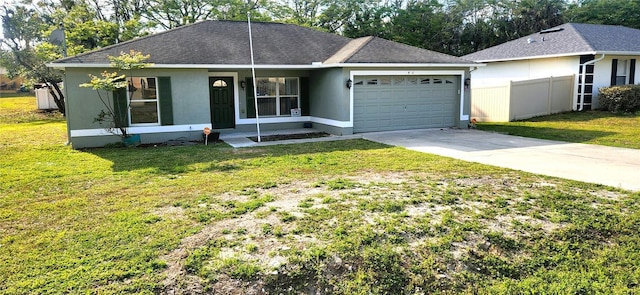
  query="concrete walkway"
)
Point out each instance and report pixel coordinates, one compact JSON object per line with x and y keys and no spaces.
{"x":241,"y":139}
{"x":611,"y":166}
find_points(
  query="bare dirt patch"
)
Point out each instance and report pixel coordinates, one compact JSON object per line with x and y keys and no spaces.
{"x":416,"y":196}
{"x":289,"y":196}
{"x":170,"y":212}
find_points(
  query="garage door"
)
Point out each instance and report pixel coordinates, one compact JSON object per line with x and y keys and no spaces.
{"x":384,"y":103}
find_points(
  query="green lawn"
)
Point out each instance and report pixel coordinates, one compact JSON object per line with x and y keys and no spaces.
{"x":347,"y":217}
{"x":593,"y":127}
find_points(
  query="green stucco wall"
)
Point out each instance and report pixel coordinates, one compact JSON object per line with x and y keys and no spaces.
{"x":329,"y":94}
{"x":189,"y":90}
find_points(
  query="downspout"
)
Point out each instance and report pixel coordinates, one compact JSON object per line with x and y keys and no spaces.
{"x":468,"y":118}
{"x":66,"y":107}
{"x":584,"y":72}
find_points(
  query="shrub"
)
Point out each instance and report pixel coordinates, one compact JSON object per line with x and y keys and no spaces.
{"x":620,"y":99}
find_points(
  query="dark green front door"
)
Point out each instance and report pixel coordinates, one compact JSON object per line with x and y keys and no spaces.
{"x":221,"y":102}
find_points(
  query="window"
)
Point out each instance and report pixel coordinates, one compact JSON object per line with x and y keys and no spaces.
{"x":143,"y":101}
{"x":219,"y":84}
{"x":621,"y":72}
{"x":277,"y":96}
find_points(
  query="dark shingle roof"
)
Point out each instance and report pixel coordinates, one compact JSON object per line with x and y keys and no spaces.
{"x":227,"y":43}
{"x":566,"y":39}
{"x":379,"y":50}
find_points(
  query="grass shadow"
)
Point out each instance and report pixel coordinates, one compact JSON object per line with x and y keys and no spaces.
{"x":575,"y":116}
{"x":217,"y":157}
{"x":558,"y":134}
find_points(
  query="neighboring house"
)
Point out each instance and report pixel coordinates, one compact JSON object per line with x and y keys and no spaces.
{"x":595,"y":55}
{"x":201,"y":77}
{"x":7,"y":83}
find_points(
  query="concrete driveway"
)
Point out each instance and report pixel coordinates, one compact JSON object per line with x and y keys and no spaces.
{"x":611,"y":166}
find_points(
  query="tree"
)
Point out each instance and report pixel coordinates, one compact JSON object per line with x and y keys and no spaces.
{"x":22,"y":28}
{"x":425,"y":24}
{"x":88,"y":27}
{"x":113,"y":117}
{"x":608,"y":12}
{"x":532,"y":16}
{"x":335,"y":16}
{"x":480,"y":24}
{"x":304,"y":12}
{"x":169,"y":14}
{"x":367,"y":18}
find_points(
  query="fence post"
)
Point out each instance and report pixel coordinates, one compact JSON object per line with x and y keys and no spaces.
{"x":510,"y":101}
{"x":549,"y":95}
{"x":574,"y":94}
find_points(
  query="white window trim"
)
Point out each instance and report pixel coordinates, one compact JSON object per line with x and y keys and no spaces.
{"x":627,"y":70}
{"x":278,"y":96}
{"x":157,"y":101}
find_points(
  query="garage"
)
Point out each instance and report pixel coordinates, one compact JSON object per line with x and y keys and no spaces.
{"x":384,"y":103}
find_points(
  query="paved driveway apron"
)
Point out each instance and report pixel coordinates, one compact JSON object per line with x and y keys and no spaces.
{"x":612,"y":166}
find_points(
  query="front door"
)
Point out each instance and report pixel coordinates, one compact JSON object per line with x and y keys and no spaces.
{"x":221,"y":102}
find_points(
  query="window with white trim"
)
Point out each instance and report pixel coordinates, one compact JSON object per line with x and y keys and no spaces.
{"x":277,"y":96}
{"x":622,"y":72}
{"x":144,"y":108}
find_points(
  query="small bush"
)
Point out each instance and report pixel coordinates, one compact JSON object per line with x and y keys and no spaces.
{"x":620,"y":99}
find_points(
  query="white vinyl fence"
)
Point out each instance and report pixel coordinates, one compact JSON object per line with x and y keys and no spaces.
{"x":44,"y":99}
{"x":518,"y":100}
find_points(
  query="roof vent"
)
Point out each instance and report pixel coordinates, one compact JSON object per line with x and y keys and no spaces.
{"x":553,"y":30}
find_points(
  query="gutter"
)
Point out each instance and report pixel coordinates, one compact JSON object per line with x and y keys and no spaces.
{"x":584,"y":72}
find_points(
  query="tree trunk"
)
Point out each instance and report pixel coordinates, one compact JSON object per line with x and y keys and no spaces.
{"x":58,"y":98}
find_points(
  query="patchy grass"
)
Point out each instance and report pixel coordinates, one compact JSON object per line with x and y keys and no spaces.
{"x":593,"y":127}
{"x":348,"y":217}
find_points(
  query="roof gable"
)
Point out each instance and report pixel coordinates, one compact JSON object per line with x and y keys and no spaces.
{"x":378,"y":50}
{"x":227,"y":43}
{"x":566,"y":39}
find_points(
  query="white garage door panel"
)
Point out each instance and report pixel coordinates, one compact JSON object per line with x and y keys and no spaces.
{"x":404,"y":102}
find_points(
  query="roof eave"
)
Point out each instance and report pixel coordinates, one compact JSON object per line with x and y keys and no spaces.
{"x":619,"y":52}
{"x":426,"y":65}
{"x":186,"y":66}
{"x":248,"y":66}
{"x":538,"y":56}
{"x":561,"y":55}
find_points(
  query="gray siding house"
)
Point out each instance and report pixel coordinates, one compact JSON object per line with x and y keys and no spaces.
{"x":201,"y":77}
